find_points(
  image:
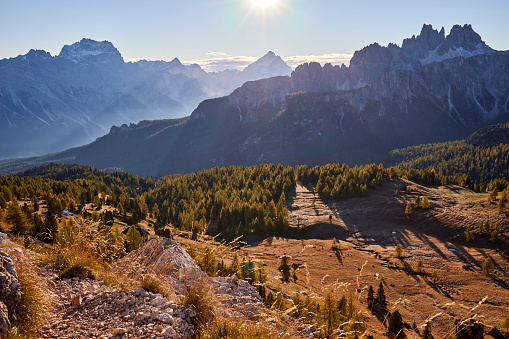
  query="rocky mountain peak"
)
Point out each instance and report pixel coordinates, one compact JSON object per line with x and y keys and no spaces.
{"x":268,"y":65}
{"x":464,"y":36}
{"x":176,"y":63}
{"x":36,"y":55}
{"x":88,"y":50}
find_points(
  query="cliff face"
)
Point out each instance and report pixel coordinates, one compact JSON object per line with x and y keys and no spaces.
{"x":434,"y":88}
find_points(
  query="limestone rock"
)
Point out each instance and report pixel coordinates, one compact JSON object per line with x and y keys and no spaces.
{"x":10,"y":293}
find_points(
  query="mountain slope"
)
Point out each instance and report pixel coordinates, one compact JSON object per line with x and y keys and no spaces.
{"x":390,"y":97}
{"x":50,"y":103}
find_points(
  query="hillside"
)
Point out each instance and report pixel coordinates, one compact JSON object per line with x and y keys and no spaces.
{"x":368,"y":227}
{"x":483,"y":156}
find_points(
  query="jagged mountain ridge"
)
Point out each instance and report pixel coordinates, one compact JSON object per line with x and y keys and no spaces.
{"x":387,"y":98}
{"x":49,"y":103}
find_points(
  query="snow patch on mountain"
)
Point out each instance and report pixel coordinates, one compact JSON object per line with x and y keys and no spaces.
{"x":455,"y":52}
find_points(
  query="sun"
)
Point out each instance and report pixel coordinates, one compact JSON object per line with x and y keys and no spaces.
{"x":264,"y":3}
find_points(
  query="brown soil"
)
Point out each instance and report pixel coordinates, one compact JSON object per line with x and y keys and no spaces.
{"x":369,"y":229}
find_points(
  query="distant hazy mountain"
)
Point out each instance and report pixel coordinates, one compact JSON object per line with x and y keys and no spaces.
{"x":50,"y":103}
{"x":433,"y":88}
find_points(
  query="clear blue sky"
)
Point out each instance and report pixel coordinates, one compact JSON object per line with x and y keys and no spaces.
{"x":202,"y":29}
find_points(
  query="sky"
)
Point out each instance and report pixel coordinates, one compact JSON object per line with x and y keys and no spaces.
{"x":219,"y":34}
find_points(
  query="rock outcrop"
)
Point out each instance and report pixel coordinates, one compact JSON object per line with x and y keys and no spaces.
{"x":160,"y":256}
{"x":10,"y":294}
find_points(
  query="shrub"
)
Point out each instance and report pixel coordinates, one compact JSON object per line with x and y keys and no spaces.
{"x":469,"y":237}
{"x":198,"y":297}
{"x":399,"y":251}
{"x":335,"y":245}
{"x":78,"y":269}
{"x":487,"y":267}
{"x":434,"y":277}
{"x":154,"y":284}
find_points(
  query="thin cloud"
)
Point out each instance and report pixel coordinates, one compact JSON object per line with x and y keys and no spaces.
{"x":221,"y":63}
{"x":217,"y":54}
{"x":335,"y":59}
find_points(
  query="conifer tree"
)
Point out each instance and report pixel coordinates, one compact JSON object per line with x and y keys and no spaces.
{"x":481,"y":228}
{"x":260,"y":276}
{"x":494,"y":235}
{"x":334,"y":246}
{"x":434,"y":277}
{"x":133,"y":239}
{"x":425,"y":203}
{"x":50,"y":228}
{"x":417,"y":203}
{"x":399,"y":251}
{"x":488,"y":267}
{"x":16,"y":218}
{"x":380,"y":296}
{"x":469,"y":237}
{"x":97,"y":202}
{"x":371,"y":297}
{"x":395,"y":327}
{"x":408,"y":210}
{"x":208,"y":262}
{"x":284,"y":268}
{"x":505,"y":324}
{"x":328,"y":318}
{"x":234,"y":266}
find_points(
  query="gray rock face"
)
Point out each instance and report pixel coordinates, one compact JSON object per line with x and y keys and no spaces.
{"x":51,"y":103}
{"x":10,"y":294}
{"x":159,"y":256}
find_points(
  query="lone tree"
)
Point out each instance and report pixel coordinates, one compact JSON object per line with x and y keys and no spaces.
{"x":335,"y":245}
{"x":487,"y":267}
{"x":284,"y":268}
{"x":469,"y":237}
{"x":434,"y":277}
{"x":399,"y":251}
{"x":408,"y":210}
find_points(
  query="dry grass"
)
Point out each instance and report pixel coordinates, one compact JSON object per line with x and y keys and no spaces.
{"x":231,"y":329}
{"x":36,"y":299}
{"x":156,"y":284}
{"x":77,"y":253}
{"x":198,"y":296}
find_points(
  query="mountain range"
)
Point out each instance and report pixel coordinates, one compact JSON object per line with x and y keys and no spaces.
{"x":433,"y":88}
{"x":50,"y":103}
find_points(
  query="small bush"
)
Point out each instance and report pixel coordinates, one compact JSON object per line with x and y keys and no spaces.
{"x":199,"y":297}
{"x":154,"y":284}
{"x":399,"y":251}
{"x":79,"y":269}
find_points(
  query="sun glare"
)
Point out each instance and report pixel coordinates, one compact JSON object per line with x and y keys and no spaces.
{"x":264,"y":3}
